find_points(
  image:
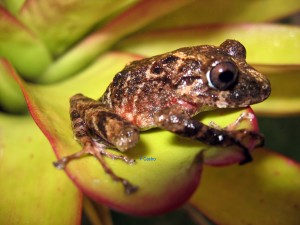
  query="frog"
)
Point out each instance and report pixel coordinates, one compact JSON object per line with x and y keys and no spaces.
{"x":167,"y":91}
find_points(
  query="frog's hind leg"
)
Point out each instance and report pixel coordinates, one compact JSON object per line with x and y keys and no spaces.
{"x":244,"y":116}
{"x":85,"y":129}
{"x":61,"y":164}
{"x":90,"y":148}
{"x":102,"y":149}
{"x":233,"y":126}
{"x":129,"y":188}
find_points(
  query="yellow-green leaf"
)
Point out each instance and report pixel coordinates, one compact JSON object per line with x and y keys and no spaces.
{"x":62,"y":23}
{"x":32,"y":192}
{"x":277,"y":57}
{"x":21,"y":47}
{"x":263,"y":192}
{"x":12,"y":5}
{"x":283,"y":48}
{"x":285,"y":97}
{"x":11,"y":97}
{"x":174,"y":156}
{"x":129,"y":21}
{"x":235,"y":11}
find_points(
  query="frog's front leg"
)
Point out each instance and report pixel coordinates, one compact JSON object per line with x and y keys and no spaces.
{"x":97,"y":128}
{"x":183,"y":125}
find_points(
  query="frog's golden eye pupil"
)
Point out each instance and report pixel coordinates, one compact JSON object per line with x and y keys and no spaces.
{"x":223,"y":75}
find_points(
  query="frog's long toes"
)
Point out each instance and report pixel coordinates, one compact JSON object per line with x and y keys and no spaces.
{"x":259,"y":140}
{"x":129,"y":188}
{"x":261,"y":143}
{"x":247,"y":155}
{"x":114,"y":156}
{"x":60,"y":164}
{"x":128,"y":160}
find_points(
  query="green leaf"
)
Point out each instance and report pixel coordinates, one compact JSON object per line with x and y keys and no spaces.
{"x":263,"y":192}
{"x":283,"y":48}
{"x":175,"y":156}
{"x":99,"y":41}
{"x":12,"y":5}
{"x":97,"y":214}
{"x":11,"y":97}
{"x":219,"y":11}
{"x":285,"y":96}
{"x":62,"y":23}
{"x":32,"y":192}
{"x":278,"y":57}
{"x":21,"y":47}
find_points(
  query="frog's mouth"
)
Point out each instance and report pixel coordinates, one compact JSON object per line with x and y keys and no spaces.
{"x":185,"y":104}
{"x":192,"y":107}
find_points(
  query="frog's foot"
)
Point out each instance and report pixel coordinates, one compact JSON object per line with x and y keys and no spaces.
{"x":90,"y":148}
{"x":247,"y":140}
{"x":102,"y":149}
{"x":214,"y":125}
{"x":244,"y":116}
{"x":184,"y":126}
{"x":129,"y":188}
{"x":235,"y":124}
{"x":61,"y":164}
{"x":114,"y":156}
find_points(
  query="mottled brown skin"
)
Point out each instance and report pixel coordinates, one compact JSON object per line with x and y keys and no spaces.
{"x":166,"y":91}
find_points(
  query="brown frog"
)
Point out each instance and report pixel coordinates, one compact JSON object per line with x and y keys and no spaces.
{"x":166,"y":91}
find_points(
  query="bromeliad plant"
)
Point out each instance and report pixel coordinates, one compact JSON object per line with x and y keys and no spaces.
{"x":51,"y":50}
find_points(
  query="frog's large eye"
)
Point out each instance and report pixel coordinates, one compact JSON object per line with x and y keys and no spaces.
{"x":222,"y":76}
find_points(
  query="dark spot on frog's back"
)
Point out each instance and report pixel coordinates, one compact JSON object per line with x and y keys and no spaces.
{"x":117,"y":79}
{"x":166,"y":64}
{"x":156,"y":69}
{"x":170,"y":59}
{"x":189,"y":64}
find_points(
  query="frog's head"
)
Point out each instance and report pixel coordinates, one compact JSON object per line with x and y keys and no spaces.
{"x":226,"y":80}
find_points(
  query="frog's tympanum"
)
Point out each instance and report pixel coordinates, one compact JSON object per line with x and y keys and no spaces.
{"x":166,"y":91}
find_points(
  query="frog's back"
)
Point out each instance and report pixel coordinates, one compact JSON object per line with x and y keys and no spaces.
{"x":144,"y":87}
{"x":146,"y":73}
{"x":190,"y":79}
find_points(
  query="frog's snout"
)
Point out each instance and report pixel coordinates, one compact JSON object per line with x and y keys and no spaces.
{"x":262,"y":90}
{"x":266,"y":90}
{"x":259,"y":92}
{"x":249,"y":90}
